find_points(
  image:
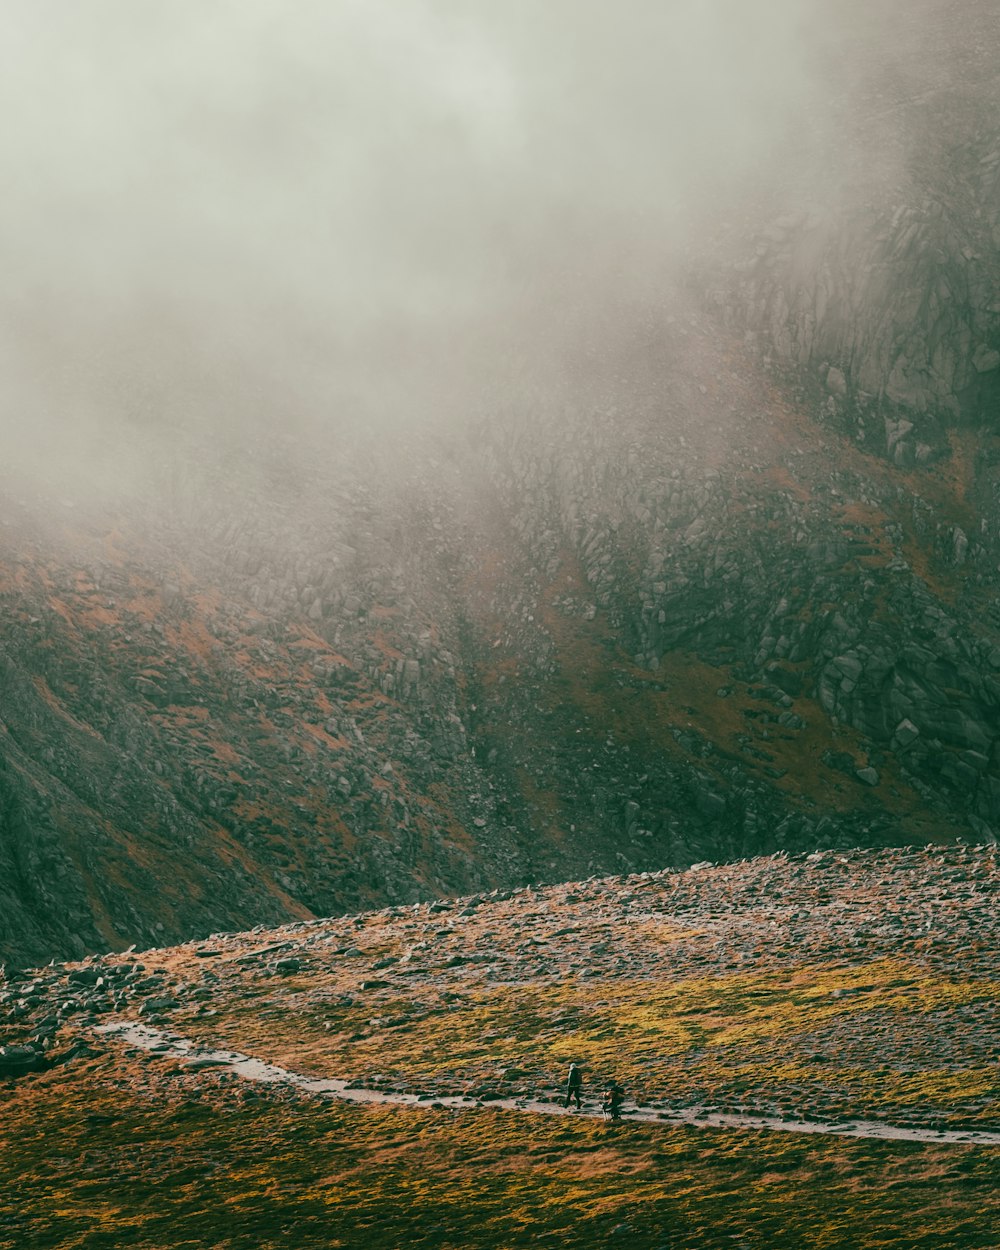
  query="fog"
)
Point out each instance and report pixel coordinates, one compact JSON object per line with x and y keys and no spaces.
{"x":237,"y":216}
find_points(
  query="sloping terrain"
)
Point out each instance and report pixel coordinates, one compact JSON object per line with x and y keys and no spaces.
{"x":880,"y":292}
{"x":708,"y":571}
{"x":712,"y":630}
{"x":832,"y":987}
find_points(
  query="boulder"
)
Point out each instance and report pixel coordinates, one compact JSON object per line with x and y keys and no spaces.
{"x":18,"y":1060}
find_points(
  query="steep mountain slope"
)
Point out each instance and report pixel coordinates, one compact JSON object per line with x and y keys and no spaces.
{"x":709,"y":570}
{"x":829,"y":994}
{"x":879,"y":290}
{"x":706,"y":628}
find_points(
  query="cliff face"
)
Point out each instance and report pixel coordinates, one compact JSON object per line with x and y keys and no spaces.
{"x":880,"y":292}
{"x":893,"y":314}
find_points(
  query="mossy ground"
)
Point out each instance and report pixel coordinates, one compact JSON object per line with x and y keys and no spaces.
{"x":846,"y":985}
{"x":118,"y":1152}
{"x":875,"y":1040}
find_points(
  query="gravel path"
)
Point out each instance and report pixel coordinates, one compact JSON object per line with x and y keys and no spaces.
{"x":170,"y":1045}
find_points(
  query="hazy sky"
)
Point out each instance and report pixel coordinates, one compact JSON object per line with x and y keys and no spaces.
{"x":231,"y":211}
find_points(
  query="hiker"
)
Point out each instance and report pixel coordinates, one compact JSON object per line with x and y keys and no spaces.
{"x":614,"y":1096}
{"x":574,"y":1083}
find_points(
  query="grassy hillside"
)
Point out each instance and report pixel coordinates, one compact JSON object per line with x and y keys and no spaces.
{"x":830,"y":989}
{"x":113,"y":1156}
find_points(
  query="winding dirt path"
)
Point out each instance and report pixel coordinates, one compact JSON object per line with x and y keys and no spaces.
{"x":171,"y":1046}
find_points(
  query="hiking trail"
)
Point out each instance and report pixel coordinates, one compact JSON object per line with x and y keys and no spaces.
{"x":170,"y":1045}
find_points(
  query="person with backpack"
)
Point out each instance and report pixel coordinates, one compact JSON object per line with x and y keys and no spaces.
{"x":574,"y":1083}
{"x":614,"y":1096}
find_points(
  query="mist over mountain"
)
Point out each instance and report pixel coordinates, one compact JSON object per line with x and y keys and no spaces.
{"x":448,"y":446}
{"x":392,"y":217}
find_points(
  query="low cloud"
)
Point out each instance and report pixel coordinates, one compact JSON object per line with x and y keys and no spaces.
{"x":240,"y":215}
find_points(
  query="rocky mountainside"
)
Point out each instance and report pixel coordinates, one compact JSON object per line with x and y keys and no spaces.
{"x":879,"y":293}
{"x":719,"y":580}
{"x":710,"y":629}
